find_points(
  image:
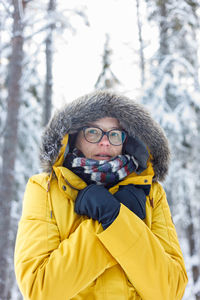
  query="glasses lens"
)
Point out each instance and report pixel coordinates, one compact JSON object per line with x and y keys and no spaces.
{"x":92,"y":134}
{"x":117,"y":137}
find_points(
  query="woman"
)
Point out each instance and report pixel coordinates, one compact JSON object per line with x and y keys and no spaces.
{"x":96,"y":224}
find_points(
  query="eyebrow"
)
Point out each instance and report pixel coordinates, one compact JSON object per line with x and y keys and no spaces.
{"x":111,"y":128}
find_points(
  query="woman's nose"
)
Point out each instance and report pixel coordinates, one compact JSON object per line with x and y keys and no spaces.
{"x":104,"y":141}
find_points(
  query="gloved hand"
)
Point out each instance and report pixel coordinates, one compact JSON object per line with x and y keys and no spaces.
{"x":97,"y":203}
{"x":133,"y":198}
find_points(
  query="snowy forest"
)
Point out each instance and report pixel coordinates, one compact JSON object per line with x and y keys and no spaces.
{"x":54,"y":51}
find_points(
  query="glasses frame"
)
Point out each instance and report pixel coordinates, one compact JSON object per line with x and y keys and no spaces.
{"x":103,"y":133}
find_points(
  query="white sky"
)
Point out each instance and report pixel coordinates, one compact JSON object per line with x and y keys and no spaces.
{"x":77,"y":62}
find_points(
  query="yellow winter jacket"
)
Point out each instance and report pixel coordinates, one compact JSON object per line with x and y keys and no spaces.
{"x":60,"y":255}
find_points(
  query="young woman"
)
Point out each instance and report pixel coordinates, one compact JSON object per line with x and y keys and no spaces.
{"x":96,"y":224}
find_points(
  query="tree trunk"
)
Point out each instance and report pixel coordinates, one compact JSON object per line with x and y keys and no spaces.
{"x":139,"y":24}
{"x":164,"y":47}
{"x":107,"y":78}
{"x":49,"y":75}
{"x":190,"y":231}
{"x":10,"y":144}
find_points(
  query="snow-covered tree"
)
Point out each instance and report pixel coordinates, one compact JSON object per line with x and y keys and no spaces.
{"x":173,"y":97}
{"x":141,"y":41}
{"x":10,"y":134}
{"x":47,"y":106}
{"x":107,"y":79}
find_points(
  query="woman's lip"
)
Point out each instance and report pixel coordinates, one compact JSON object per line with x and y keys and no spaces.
{"x":103,"y":156}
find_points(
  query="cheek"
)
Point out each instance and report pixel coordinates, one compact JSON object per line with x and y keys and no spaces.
{"x":84,"y":146}
{"x":118,"y":150}
{"x":80,"y":142}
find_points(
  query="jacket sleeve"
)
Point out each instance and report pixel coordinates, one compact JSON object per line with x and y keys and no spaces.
{"x":45,"y":266}
{"x":150,"y":257}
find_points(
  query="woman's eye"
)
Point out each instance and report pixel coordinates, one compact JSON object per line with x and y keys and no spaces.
{"x":92,"y":131}
{"x":114,"y":134}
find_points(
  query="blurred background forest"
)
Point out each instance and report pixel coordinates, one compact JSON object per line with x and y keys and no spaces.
{"x":52,"y":51}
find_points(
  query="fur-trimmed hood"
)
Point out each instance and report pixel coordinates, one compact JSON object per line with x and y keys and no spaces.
{"x":133,"y":117}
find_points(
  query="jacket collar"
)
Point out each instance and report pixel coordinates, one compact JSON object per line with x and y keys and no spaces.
{"x":74,"y":183}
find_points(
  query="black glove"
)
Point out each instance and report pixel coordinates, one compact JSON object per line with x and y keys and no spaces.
{"x":97,"y":203}
{"x":133,"y":198}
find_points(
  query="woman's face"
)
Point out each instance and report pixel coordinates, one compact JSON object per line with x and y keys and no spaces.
{"x":102,"y":150}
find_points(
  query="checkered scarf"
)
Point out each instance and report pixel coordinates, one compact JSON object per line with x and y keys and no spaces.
{"x":100,"y":171}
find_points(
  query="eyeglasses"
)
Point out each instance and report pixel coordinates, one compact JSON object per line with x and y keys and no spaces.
{"x":94,"y":135}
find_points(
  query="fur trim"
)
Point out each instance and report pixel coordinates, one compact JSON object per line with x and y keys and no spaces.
{"x":133,"y":117}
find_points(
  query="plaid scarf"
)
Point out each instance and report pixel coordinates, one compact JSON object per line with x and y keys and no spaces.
{"x":100,"y":171}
